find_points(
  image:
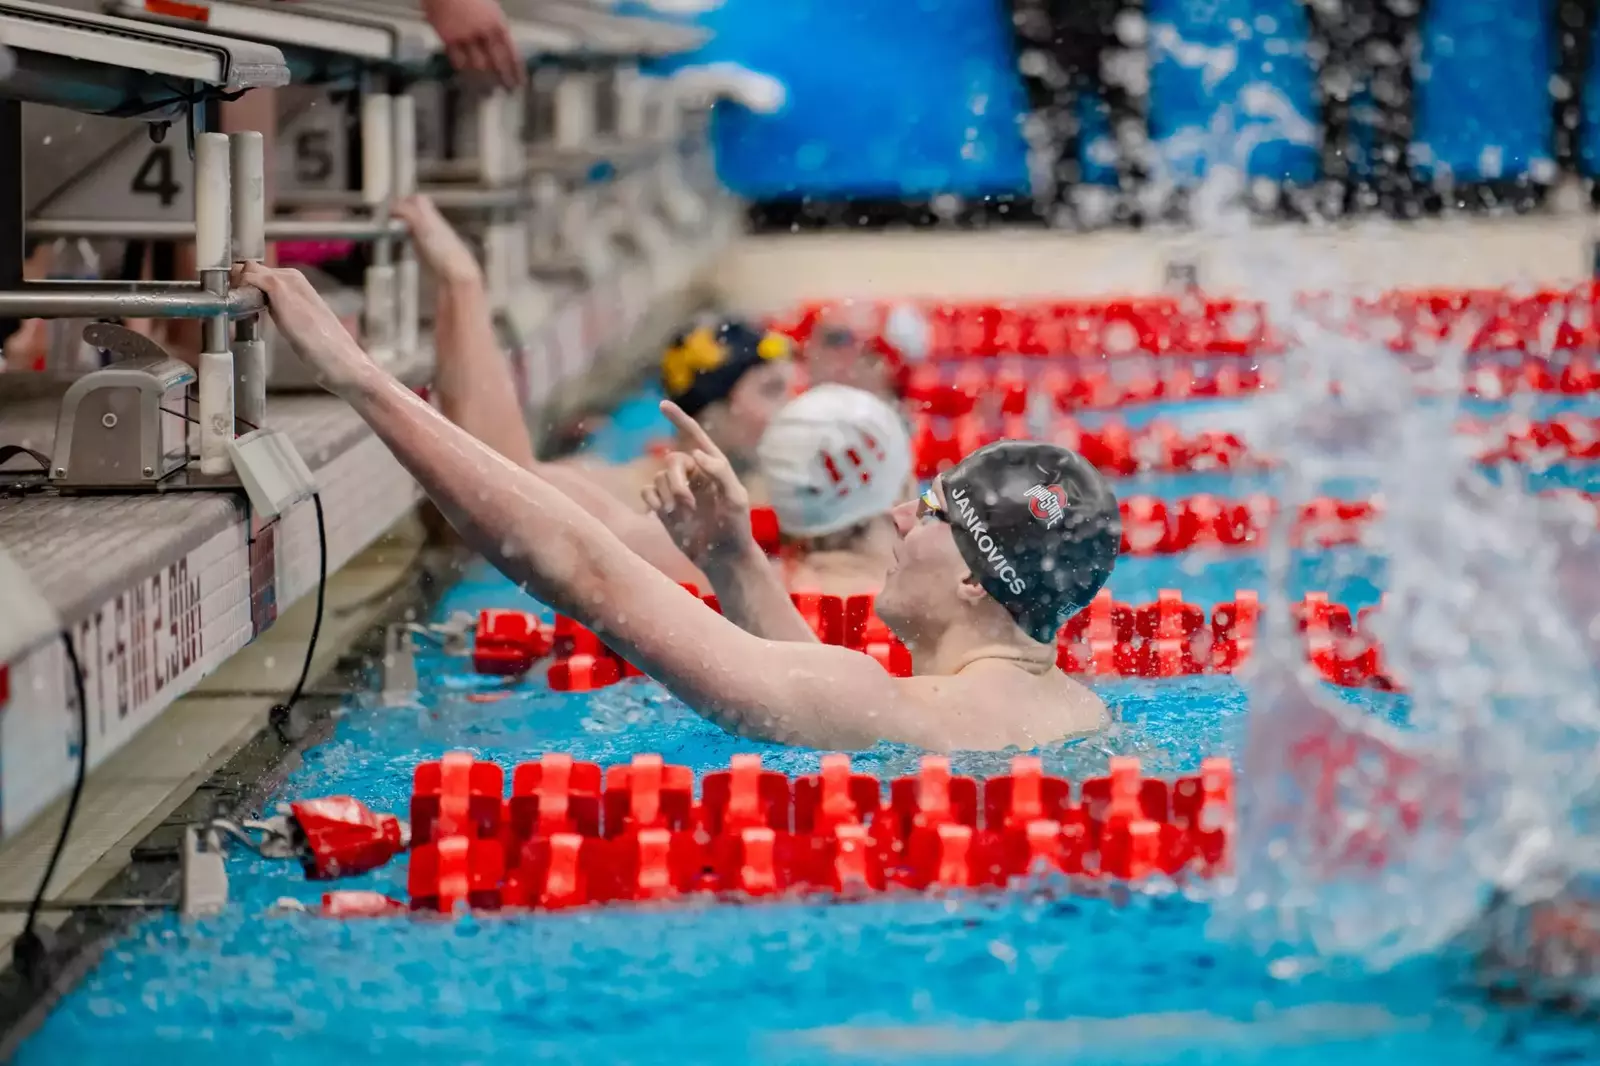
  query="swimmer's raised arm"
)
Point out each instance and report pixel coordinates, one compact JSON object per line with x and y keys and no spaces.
{"x":472,"y":375}
{"x":477,"y":391}
{"x":706,"y":510}
{"x":789,"y":692}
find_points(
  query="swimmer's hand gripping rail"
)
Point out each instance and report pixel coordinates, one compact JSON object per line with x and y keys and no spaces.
{"x":93,"y":441}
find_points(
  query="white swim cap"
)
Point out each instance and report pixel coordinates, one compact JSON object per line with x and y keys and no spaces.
{"x":832,"y":458}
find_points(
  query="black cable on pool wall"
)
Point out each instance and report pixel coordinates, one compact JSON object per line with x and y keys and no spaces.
{"x":30,"y":951}
{"x":280,"y":712}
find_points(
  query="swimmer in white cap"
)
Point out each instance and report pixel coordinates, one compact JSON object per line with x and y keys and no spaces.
{"x":836,"y":461}
{"x":999,"y":552}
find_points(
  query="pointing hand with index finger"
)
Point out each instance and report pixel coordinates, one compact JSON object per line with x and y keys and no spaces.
{"x":698,"y":497}
{"x":709,"y":458}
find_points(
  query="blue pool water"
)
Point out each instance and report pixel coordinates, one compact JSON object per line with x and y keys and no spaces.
{"x":997,"y":978}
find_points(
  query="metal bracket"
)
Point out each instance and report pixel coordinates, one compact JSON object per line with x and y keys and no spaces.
{"x":1182,"y":274}
{"x":450,"y":636}
{"x":271,"y":472}
{"x":203,"y":875}
{"x":399,"y":682}
{"x":271,"y":838}
{"x":123,"y":342}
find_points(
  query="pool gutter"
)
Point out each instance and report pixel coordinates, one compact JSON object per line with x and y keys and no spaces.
{"x":245,"y":780}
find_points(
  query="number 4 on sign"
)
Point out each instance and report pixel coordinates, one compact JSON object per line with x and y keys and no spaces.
{"x":137,"y":182}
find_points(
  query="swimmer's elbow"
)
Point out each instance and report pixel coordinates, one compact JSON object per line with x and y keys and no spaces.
{"x":571,"y":573}
{"x":598,"y":580}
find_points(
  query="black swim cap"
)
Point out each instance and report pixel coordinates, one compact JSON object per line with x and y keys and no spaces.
{"x":703,"y":364}
{"x":1038,"y":525}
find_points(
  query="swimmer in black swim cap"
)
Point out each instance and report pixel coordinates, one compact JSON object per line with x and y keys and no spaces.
{"x":1038,"y":526}
{"x":980,"y":680}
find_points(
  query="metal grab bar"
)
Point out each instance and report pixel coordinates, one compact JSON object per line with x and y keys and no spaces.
{"x":42,"y":299}
{"x":282,"y":229}
{"x":446,"y":198}
{"x":550,"y":160}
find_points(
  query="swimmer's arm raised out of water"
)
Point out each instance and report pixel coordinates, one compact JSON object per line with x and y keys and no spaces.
{"x":478,"y":393}
{"x":796,"y":693}
{"x":706,"y":510}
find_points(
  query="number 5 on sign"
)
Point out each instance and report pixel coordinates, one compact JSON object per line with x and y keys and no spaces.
{"x":137,"y":182}
{"x":312,"y":150}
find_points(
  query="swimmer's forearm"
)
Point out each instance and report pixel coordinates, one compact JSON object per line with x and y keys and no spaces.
{"x":477,"y":390}
{"x":526,"y":527}
{"x":753,"y":597}
{"x":641,"y":532}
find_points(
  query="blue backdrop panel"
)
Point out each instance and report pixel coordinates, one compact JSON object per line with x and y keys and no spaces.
{"x":1231,"y":84}
{"x":1483,"y":107}
{"x":1589,"y":121}
{"x":887,"y":98}
{"x":1097,"y":143}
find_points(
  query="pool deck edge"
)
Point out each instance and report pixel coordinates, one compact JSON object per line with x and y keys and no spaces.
{"x":214,"y":751}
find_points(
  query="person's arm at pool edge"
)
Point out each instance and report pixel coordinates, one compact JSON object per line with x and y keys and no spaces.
{"x":472,"y":376}
{"x":705,"y":509}
{"x":477,"y":391}
{"x":784,"y":691}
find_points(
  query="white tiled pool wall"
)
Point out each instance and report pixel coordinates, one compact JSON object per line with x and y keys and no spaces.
{"x":149,"y":643}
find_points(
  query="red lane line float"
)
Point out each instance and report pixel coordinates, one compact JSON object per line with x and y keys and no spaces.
{"x":331,"y":837}
{"x":755,"y":833}
{"x":509,"y":642}
{"x":1113,"y":448}
{"x":956,"y":390}
{"x":1410,"y":322}
{"x":572,"y":834}
{"x":1153,"y":526}
{"x":1159,"y":447}
{"x":1167,"y":638}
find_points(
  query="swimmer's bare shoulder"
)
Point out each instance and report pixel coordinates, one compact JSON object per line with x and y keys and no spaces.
{"x":994,"y":705}
{"x":986,"y":707}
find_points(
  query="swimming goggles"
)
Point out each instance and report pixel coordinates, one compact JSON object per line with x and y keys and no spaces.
{"x":928,"y":505}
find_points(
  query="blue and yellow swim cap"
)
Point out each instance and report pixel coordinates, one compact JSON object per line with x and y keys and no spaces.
{"x":702,"y":365}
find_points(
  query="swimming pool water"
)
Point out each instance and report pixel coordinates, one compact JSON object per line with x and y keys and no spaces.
{"x":1004,"y":978}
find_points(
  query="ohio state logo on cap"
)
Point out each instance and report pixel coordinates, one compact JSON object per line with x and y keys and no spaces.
{"x":1047,"y":503}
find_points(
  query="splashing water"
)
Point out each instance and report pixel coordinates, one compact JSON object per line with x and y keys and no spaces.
{"x":1359,"y":839}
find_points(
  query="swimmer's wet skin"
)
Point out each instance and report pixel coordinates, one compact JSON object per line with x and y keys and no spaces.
{"x":475,"y":389}
{"x":1031,"y":533}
